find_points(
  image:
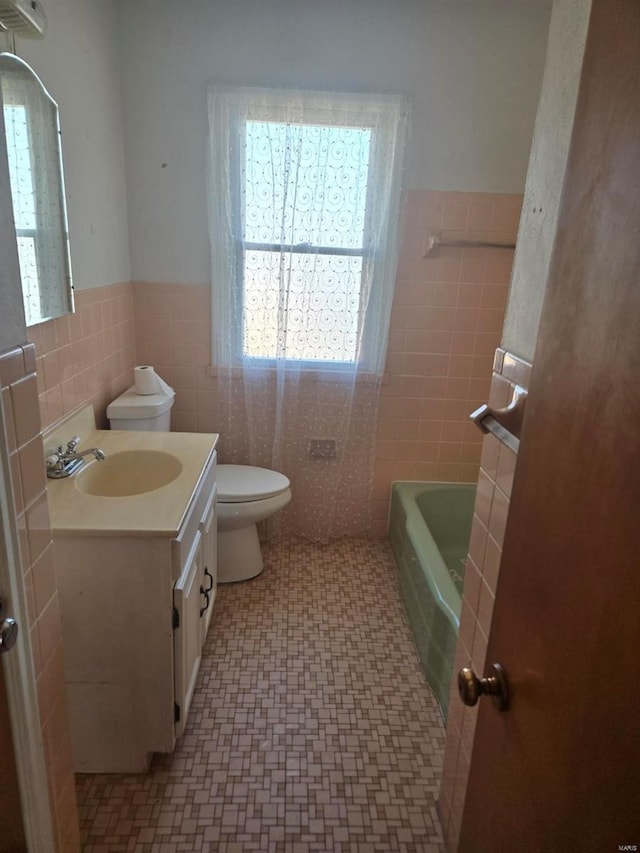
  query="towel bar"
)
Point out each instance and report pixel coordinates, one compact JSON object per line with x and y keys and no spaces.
{"x":505,"y":423}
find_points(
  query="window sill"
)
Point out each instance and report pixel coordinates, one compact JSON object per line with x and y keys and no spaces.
{"x":303,"y":374}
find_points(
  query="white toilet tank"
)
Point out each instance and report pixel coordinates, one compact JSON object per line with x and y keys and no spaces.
{"x":141,"y":411}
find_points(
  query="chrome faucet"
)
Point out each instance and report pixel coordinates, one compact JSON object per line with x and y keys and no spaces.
{"x":66,"y":461}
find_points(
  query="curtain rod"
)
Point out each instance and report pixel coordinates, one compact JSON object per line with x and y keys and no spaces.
{"x":434,"y":242}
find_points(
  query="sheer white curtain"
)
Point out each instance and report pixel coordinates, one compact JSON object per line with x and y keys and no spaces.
{"x":304,"y":197}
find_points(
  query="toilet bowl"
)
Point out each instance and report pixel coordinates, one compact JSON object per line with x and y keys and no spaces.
{"x":246,"y":494}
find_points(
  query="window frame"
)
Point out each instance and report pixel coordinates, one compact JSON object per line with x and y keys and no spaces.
{"x":315,"y":108}
{"x":19,"y":100}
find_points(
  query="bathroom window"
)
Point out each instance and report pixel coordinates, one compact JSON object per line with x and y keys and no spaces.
{"x":304,"y":191}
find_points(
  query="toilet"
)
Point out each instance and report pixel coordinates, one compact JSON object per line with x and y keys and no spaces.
{"x":246,"y":494}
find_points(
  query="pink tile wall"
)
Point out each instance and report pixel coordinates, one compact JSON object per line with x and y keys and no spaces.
{"x":481,"y":578}
{"x":86,"y":357}
{"x":173,"y":330}
{"x":21,"y":412}
{"x":173,"y":333}
{"x":446,"y":323}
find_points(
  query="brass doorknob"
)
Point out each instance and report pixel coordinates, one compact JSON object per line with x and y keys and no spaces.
{"x":471,"y":688}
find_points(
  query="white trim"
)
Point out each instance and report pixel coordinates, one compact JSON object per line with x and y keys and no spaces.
{"x":321,"y":373}
{"x":20,"y":678}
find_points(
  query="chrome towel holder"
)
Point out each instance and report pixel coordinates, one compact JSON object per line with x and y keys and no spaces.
{"x":506,"y":423}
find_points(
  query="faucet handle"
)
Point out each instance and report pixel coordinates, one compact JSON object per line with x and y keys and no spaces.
{"x":73,"y":443}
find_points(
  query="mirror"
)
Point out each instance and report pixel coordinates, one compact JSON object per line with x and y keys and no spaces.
{"x":32,"y":133}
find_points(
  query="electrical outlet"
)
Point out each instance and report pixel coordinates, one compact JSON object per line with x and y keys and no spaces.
{"x":323,"y":448}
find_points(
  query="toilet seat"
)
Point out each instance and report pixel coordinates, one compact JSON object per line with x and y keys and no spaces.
{"x":245,"y":483}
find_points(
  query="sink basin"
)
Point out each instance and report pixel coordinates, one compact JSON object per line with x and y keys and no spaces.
{"x":131,"y":472}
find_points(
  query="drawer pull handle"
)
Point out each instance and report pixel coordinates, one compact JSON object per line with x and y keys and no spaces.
{"x":208,"y":574}
{"x":204,"y":592}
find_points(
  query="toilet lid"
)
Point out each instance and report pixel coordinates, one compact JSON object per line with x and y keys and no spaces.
{"x":237,"y":483}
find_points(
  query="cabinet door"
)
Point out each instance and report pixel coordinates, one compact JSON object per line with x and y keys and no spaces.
{"x":186,"y":636}
{"x":209,"y":531}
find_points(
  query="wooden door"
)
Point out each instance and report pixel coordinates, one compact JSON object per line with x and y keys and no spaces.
{"x":561,"y":769}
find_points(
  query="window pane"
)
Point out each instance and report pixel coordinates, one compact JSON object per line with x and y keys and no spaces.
{"x":301,"y":306}
{"x":306,"y":184}
{"x":19,"y":156}
{"x":29,"y":278}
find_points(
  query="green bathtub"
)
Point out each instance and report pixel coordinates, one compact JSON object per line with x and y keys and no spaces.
{"x":429,"y":530}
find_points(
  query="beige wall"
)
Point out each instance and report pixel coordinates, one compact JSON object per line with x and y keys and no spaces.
{"x":472,"y":69}
{"x":545,"y":178}
{"x":79,"y":62}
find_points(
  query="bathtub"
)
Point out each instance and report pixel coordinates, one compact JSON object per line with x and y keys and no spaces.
{"x":429,"y":529}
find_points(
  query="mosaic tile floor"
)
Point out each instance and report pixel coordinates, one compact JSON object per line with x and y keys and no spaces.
{"x":312,"y":727}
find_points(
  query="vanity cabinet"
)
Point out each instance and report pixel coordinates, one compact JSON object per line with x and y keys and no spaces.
{"x":134,"y":618}
{"x":209,"y":533}
{"x":187,"y":634}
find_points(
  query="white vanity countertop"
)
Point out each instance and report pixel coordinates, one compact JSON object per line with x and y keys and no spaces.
{"x":159,"y":512}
